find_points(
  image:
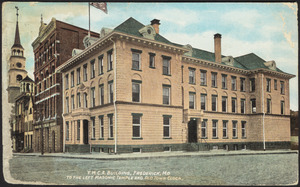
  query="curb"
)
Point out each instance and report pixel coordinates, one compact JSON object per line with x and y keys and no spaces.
{"x":165,"y":156}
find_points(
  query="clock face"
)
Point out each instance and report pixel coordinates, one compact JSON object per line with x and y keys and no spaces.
{"x":149,"y":31}
{"x":19,"y":65}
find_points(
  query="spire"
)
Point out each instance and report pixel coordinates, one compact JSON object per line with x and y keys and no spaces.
{"x":17,"y":34}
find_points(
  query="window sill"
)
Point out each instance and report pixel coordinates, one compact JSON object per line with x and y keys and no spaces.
{"x":93,"y":138}
{"x":203,"y":84}
{"x":215,"y":138}
{"x":167,"y":74}
{"x":101,"y":73}
{"x":244,"y":137}
{"x":234,"y":137}
{"x":214,"y":86}
{"x":136,"y":69}
{"x":101,"y":139}
{"x":167,"y":137}
{"x":225,"y":138}
{"x":224,"y":88}
{"x":243,"y":90}
{"x":204,"y":138}
{"x":137,"y":138}
{"x":152,"y":67}
{"x":110,"y":138}
{"x":67,"y":88}
{"x":233,"y":89}
{"x":109,"y":70}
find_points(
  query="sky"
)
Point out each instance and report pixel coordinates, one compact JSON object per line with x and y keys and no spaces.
{"x":267,"y":29}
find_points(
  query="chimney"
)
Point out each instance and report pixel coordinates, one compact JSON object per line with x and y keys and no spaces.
{"x":155,"y":24}
{"x":217,"y":38}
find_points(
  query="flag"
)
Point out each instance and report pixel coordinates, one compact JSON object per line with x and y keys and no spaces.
{"x":101,"y":6}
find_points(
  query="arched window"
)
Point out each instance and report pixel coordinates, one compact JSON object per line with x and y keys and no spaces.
{"x":27,"y":87}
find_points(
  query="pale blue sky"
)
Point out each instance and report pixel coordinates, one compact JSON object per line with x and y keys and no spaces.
{"x":266,"y":29}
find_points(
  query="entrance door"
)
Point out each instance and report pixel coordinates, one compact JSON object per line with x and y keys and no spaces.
{"x":53,"y":141}
{"x":192,"y":131}
{"x":85,"y":131}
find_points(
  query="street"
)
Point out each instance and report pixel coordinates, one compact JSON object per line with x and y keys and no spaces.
{"x":275,"y":169}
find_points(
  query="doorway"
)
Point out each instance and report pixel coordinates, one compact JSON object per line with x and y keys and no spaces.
{"x":85,"y":131}
{"x":192,"y":131}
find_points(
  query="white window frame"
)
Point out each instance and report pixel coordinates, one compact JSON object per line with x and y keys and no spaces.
{"x":225,"y":104}
{"x":78,"y":100}
{"x":78,"y":75}
{"x":85,"y":72}
{"x":204,"y":127}
{"x":93,"y":69}
{"x":203,"y":96}
{"x":139,"y":86}
{"x":243,"y":101}
{"x":67,"y":105}
{"x":85,"y":100}
{"x":214,"y":79}
{"x":234,"y":129}
{"x":110,"y":93}
{"x":192,"y":76}
{"x":243,"y":127}
{"x":72,"y":79}
{"x":93,"y":97}
{"x":233,"y":83}
{"x":234,"y":106}
{"x":137,"y":125}
{"x":110,"y":126}
{"x":135,"y":61}
{"x":72,"y":102}
{"x":225,"y":129}
{"x":100,"y":64}
{"x":214,"y":128}
{"x":93,"y":127}
{"x":194,"y":99}
{"x":214,"y":96}
{"x":169,"y":96}
{"x":268,"y":85}
{"x":167,"y":64}
{"x":224,"y":81}
{"x":101,"y":129}
{"x":167,"y":125}
{"x":101,"y":93}
{"x":203,"y":75}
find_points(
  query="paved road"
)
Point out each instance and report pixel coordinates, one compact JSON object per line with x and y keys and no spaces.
{"x":277,"y":169}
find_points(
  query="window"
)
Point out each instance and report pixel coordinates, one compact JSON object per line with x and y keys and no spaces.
{"x":67,"y":104}
{"x":224,"y":81}
{"x":67,"y":82}
{"x":203,"y":78}
{"x":85,"y":103}
{"x":233,"y":104}
{"x":136,"y":59}
{"x":85,"y":72}
{"x":233,"y":82}
{"x":224,"y":104}
{"x":268,"y":85}
{"x":78,"y":129}
{"x":72,"y":79}
{"x":243,"y":108}
{"x":243,"y":84}
{"x":215,"y":129}
{"x":93,"y":68}
{"x":253,"y":105}
{"x":166,"y":126}
{"x":203,"y":129}
{"x":110,"y":92}
{"x":191,"y":75}
{"x":100,"y":64}
{"x":268,"y":106}
{"x":192,"y":100}
{"x":67,"y":130}
{"x":78,"y":75}
{"x":136,"y":89}
{"x":136,"y":125}
{"x":282,"y":107}
{"x":234,"y":129}
{"x":111,"y":127}
{"x":72,"y":102}
{"x":101,"y":126}
{"x":166,"y":94}
{"x":93,"y":102}
{"x":214,"y":79}
{"x":214,"y":102}
{"x":252,"y":84}
{"x":243,"y":129}
{"x":166,"y":65}
{"x":225,"y":123}
{"x":151,"y":60}
{"x":101,"y":94}
{"x":109,"y":60}
{"x":203,"y":101}
{"x":281,"y":87}
{"x":275,"y":84}
{"x":93,"y":127}
{"x":78,"y":100}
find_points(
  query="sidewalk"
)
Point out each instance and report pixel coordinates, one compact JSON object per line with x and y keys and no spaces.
{"x":133,"y":156}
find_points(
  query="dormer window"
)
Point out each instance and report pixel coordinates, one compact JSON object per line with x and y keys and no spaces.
{"x":148,"y":32}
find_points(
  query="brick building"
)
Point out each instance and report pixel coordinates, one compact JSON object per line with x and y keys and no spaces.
{"x":22,"y":131}
{"x":53,"y":46}
{"x":135,"y":91}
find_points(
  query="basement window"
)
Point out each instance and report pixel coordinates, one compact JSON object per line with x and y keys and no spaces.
{"x":167,"y":149}
{"x":137,"y":150}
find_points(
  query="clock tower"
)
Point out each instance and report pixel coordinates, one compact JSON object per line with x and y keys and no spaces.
{"x":16,"y":63}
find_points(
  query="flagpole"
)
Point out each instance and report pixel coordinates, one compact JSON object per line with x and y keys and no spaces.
{"x":89,"y":21}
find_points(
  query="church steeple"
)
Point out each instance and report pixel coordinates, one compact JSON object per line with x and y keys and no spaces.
{"x":17,"y":34}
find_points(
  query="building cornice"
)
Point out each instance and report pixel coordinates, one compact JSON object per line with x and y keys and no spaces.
{"x":44,"y":33}
{"x":117,"y":35}
{"x":214,"y":65}
{"x":234,"y":69}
